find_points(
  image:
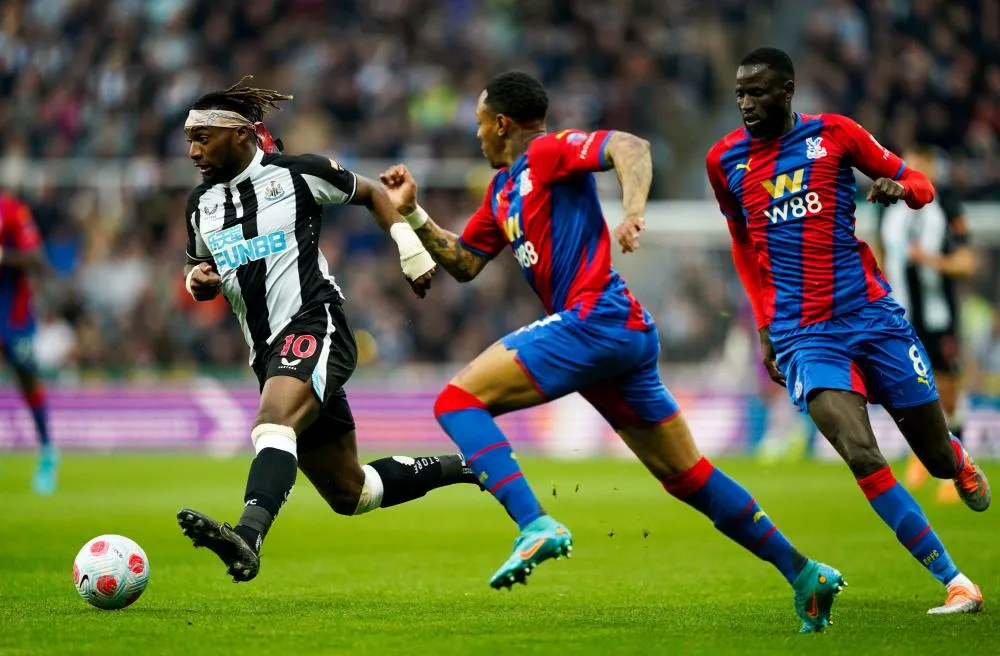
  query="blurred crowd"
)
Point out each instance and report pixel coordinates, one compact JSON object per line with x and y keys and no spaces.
{"x":913,"y":71}
{"x":398,"y":80}
{"x":372,"y":78}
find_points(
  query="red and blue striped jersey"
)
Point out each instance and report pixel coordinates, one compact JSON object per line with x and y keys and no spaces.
{"x":17,"y":233}
{"x":545,"y":206}
{"x":794,"y":197}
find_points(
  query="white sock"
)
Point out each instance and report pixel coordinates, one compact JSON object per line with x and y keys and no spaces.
{"x":963,"y":581}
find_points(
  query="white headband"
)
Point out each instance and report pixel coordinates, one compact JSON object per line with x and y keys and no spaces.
{"x":216,"y":118}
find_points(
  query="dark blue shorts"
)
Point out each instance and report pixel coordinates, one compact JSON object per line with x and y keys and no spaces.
{"x":873,"y":351}
{"x":614,"y":368}
{"x":18,"y":349}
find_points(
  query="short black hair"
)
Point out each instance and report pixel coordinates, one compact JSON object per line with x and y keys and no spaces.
{"x":518,"y":96}
{"x":250,"y":102}
{"x":775,"y":59}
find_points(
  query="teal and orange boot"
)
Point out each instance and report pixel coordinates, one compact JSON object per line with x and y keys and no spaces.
{"x":540,"y":540}
{"x":815,"y":589}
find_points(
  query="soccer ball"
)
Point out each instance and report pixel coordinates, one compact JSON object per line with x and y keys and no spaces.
{"x":111,"y":571}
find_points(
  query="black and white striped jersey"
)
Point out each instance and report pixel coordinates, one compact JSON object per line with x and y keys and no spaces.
{"x":927,"y":295}
{"x":261,"y":229}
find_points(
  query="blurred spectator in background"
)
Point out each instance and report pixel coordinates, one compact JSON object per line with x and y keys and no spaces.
{"x":396,"y":79}
{"x":914,"y":71}
{"x":93,"y":82}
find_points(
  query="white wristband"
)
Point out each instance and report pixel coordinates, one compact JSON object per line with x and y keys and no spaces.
{"x":417,"y":218}
{"x":187,"y":281}
{"x":413,"y":257}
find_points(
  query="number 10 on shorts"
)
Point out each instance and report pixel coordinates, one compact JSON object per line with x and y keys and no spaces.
{"x":301,"y":346}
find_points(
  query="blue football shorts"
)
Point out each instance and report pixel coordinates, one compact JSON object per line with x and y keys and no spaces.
{"x":873,"y":351}
{"x":613,"y":367}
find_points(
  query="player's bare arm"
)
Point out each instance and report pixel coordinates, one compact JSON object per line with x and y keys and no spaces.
{"x":633,"y":163}
{"x":444,"y":246}
{"x":372,"y":197}
{"x":959,"y":263}
{"x":417,"y":267}
{"x":446,"y":249}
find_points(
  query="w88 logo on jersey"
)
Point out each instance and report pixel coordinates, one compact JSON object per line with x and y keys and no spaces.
{"x":525,"y":252}
{"x":526,"y":255}
{"x":798,"y":206}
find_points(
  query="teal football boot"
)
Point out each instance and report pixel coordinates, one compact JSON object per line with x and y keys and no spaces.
{"x":815,"y":588}
{"x":540,"y":540}
{"x":47,"y":471}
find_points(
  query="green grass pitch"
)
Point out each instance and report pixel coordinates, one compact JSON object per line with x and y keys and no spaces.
{"x":648,"y":574}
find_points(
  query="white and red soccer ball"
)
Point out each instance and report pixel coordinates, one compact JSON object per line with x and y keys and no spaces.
{"x":111,"y":571}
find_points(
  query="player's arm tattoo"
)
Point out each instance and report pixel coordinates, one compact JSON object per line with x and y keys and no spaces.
{"x":630,"y":156}
{"x":462,"y":264}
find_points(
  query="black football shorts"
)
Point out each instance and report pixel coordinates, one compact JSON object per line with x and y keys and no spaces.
{"x":318,"y":347}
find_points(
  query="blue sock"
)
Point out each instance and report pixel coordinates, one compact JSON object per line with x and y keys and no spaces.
{"x":736,"y":514}
{"x":903,"y":514}
{"x":39,"y":412}
{"x":487,"y":452}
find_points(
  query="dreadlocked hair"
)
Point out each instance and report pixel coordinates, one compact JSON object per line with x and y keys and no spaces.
{"x":251,"y":102}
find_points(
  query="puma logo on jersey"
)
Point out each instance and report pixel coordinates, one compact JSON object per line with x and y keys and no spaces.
{"x":745,"y":166}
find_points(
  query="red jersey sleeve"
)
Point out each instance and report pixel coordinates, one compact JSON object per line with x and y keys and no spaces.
{"x":876,"y":161}
{"x":728,"y":204}
{"x":567,"y":153}
{"x":744,"y":254}
{"x":867,"y":154}
{"x":482,"y":233}
{"x":20,"y":229}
